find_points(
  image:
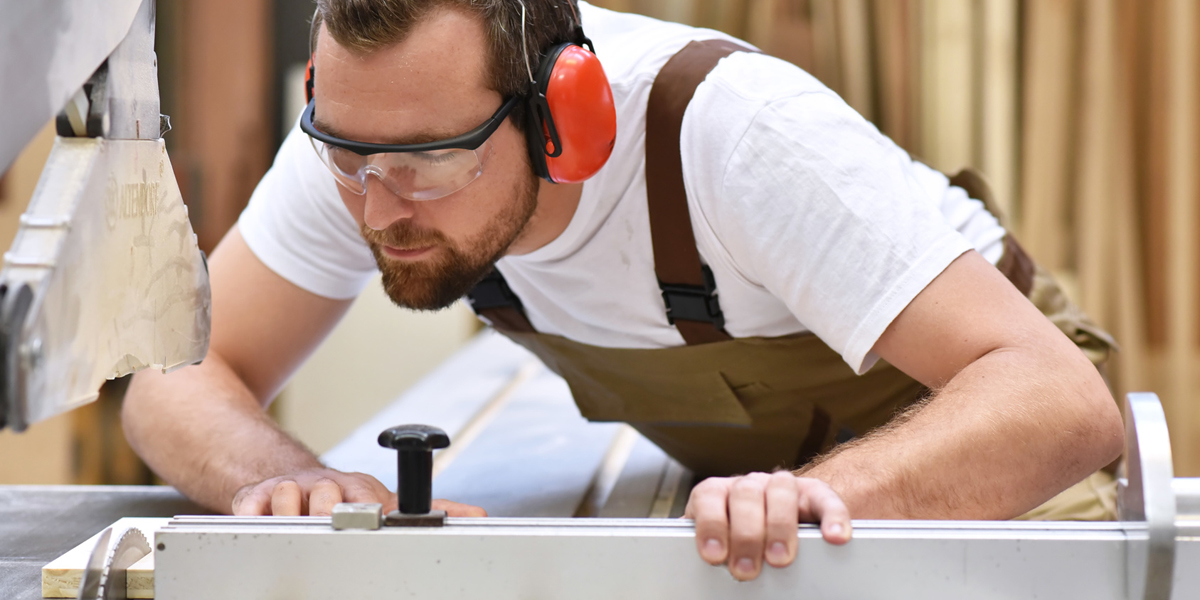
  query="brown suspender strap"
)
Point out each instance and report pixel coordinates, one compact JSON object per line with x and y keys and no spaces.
{"x":687,"y":285}
{"x":1015,"y":264}
{"x":493,"y":300}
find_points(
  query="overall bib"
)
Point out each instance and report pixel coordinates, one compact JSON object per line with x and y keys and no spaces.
{"x":724,"y":406}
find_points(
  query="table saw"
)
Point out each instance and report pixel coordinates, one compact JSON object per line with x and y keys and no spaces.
{"x":579,"y":510}
{"x":519,"y":448}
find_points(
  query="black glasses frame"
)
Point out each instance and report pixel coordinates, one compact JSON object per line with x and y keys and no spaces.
{"x":467,"y":141}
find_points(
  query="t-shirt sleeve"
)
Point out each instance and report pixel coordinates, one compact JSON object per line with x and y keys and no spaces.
{"x":298,"y":226}
{"x":815,"y":205}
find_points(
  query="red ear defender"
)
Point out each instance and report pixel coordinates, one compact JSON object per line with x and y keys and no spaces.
{"x":572,"y":119}
{"x":308,"y":81}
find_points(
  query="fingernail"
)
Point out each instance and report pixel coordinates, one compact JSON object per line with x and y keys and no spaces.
{"x":778,"y":551}
{"x":745,"y":565}
{"x":712,"y":547}
{"x":835,"y":529}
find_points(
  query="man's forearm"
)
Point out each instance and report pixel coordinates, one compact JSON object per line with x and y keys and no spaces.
{"x":203,"y":431}
{"x":1007,"y":433}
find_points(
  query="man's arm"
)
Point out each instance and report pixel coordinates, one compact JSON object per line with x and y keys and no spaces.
{"x":1017,"y":415}
{"x":204,"y":428}
{"x":198,"y":427}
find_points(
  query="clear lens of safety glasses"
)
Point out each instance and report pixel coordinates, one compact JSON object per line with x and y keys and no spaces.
{"x":414,"y":175}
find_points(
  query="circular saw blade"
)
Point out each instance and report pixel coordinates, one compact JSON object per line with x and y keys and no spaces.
{"x":89,"y":586}
{"x":129,"y":549}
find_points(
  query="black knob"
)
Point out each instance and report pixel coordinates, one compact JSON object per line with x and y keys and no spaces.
{"x":414,"y":446}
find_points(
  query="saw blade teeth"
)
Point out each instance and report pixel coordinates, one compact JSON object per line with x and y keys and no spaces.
{"x":128,"y":550}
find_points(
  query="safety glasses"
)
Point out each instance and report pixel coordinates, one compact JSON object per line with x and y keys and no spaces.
{"x":425,"y":171}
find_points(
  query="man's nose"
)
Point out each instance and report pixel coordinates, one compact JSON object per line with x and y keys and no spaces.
{"x":383,"y":207}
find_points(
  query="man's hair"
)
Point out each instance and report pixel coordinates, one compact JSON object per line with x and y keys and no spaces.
{"x":368,"y":25}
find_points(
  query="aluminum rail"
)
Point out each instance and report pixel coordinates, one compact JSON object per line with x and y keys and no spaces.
{"x":656,"y":558}
{"x":604,"y":559}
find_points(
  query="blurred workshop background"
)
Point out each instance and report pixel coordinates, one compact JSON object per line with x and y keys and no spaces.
{"x":1082,"y":114}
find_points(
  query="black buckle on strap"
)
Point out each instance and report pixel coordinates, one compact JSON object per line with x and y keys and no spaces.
{"x":693,"y":303}
{"x":493,"y":292}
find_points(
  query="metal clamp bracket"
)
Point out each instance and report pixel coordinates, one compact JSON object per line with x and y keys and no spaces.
{"x":1146,"y":495}
{"x":694,"y":303}
{"x":492,"y":292}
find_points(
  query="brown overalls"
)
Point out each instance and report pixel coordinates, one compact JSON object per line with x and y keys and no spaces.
{"x":723,"y":406}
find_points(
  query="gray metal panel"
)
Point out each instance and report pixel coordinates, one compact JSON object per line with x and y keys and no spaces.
{"x":536,"y":459}
{"x":1187,"y":497}
{"x":1187,"y":560}
{"x":635,"y":490}
{"x":39,"y":523}
{"x":535,"y":456}
{"x":447,"y":398}
{"x":51,"y":47}
{"x":133,"y":98}
{"x":604,"y":559}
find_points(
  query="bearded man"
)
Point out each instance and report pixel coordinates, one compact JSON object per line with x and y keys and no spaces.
{"x":704,"y":241}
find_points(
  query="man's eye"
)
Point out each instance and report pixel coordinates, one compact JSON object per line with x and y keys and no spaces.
{"x":345,"y":160}
{"x":437,"y":157}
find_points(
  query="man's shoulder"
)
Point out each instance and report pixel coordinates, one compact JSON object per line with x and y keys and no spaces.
{"x":634,"y":47}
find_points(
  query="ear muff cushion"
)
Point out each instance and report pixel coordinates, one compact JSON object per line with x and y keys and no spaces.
{"x":581,"y":104}
{"x":536,"y":130}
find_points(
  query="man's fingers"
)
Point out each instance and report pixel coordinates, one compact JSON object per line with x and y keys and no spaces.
{"x":357,"y":491}
{"x":455,"y":509}
{"x":783,"y":509}
{"x":251,"y":501}
{"x":287,"y":499}
{"x":324,"y":495}
{"x":819,"y":503}
{"x":317,"y":491}
{"x":708,"y":507}
{"x":392,"y":502}
{"x":747,"y":525}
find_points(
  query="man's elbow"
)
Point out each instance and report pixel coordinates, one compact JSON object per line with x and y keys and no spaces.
{"x":1101,"y":423}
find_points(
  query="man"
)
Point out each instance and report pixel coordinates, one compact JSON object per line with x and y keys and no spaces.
{"x":830,"y":249}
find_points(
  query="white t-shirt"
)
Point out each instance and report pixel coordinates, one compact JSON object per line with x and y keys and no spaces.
{"x":810,"y":219}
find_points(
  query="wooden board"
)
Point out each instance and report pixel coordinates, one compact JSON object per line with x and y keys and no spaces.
{"x":998,"y":100}
{"x":61,"y":576}
{"x":853,"y":19}
{"x":826,"y":58}
{"x":1182,"y":189}
{"x":948,"y":107}
{"x":1049,"y":115}
{"x":1094,"y":164}
{"x":896,"y":60}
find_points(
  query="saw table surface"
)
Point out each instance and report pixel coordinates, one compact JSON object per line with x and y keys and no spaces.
{"x":39,"y":523}
{"x":520,"y":449}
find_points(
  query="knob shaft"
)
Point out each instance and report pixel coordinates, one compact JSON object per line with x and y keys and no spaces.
{"x":414,"y":446}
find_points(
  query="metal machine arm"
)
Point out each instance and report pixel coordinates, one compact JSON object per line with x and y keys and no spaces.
{"x":105,"y":276}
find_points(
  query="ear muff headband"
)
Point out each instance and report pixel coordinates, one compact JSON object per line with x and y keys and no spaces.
{"x":572,"y":121}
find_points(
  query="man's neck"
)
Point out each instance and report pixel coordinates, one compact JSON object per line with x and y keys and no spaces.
{"x":556,"y":204}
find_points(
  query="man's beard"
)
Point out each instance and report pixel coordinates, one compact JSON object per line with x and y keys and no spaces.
{"x":437,"y":282}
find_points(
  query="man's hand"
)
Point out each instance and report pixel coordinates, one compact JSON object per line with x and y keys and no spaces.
{"x":740,"y":521}
{"x":316,"y":491}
